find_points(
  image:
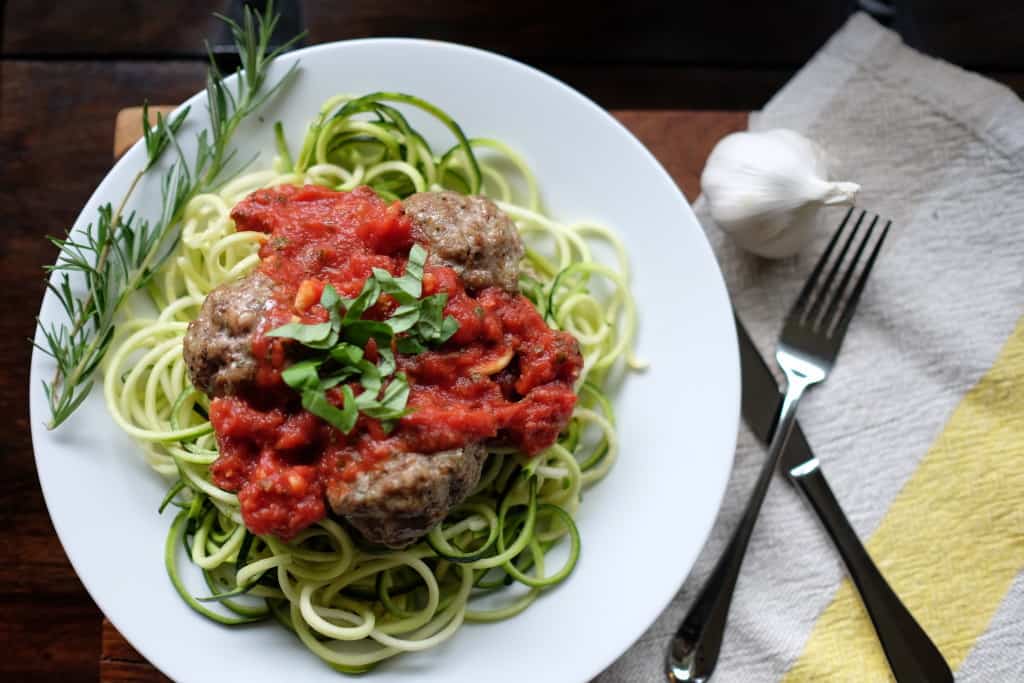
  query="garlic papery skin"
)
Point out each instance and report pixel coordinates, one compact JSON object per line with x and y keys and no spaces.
{"x":765,"y":189}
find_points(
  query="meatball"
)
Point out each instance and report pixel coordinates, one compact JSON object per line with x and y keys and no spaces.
{"x":218,"y":343}
{"x":400,"y":502}
{"x":470,"y":235}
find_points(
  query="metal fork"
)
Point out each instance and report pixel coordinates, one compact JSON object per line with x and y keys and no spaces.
{"x":807,"y":350}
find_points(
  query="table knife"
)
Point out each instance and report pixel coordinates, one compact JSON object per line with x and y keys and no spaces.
{"x":911,"y":653}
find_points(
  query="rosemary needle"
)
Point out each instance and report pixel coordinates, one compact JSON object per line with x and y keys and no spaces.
{"x":116,"y":255}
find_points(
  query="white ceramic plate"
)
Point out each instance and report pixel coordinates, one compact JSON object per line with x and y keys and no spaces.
{"x":642,"y":527}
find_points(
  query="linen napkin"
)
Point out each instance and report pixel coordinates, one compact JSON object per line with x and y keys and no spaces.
{"x":920,"y":428}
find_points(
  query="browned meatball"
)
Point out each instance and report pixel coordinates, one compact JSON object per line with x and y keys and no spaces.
{"x":399,"y":503}
{"x":218,"y":344}
{"x":470,"y":235}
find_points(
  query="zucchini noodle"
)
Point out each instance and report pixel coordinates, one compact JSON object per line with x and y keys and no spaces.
{"x":354,"y":606}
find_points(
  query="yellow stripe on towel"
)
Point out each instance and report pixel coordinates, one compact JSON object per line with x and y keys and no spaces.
{"x":952,"y":541}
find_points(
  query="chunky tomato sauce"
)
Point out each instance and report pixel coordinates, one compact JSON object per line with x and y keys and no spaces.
{"x":504,"y":376}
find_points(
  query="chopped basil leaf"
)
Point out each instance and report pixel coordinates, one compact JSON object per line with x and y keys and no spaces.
{"x":359,"y":332}
{"x":327,"y":343}
{"x":404,"y":317}
{"x":391,"y":405}
{"x":414,"y":324}
{"x":366,"y":401}
{"x":387,"y":361}
{"x":302,"y":375}
{"x":410,"y":283}
{"x":414,"y":267}
{"x":399,"y":384}
{"x":330,"y":298}
{"x":433,"y":306}
{"x":449,"y":326}
{"x":371,"y":377}
{"x":334,"y":380}
{"x":349,"y":409}
{"x":433,"y":327}
{"x":368,"y":295}
{"x":431,"y":311}
{"x":343,"y":418}
{"x":302,"y":333}
{"x":409,"y":346}
{"x":379,"y":412}
{"x":346,"y":354}
{"x":318,"y":335}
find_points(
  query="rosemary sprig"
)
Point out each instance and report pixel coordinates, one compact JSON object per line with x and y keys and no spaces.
{"x":117,"y":255}
{"x":160,"y":135}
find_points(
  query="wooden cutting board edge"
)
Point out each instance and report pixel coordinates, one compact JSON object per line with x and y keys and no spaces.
{"x":128,"y":125}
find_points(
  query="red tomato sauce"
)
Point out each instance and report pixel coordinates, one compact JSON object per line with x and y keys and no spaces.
{"x":504,"y":377}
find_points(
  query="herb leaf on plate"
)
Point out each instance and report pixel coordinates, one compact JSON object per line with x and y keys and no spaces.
{"x":414,"y":325}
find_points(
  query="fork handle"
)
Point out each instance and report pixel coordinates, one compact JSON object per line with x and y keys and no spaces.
{"x":911,"y":653}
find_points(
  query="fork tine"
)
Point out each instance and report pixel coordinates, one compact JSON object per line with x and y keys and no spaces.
{"x":851,"y":304}
{"x":805,"y":293}
{"x":837,"y":297}
{"x":823,"y":292}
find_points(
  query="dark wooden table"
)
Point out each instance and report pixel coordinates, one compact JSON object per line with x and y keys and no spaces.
{"x":67,"y":68}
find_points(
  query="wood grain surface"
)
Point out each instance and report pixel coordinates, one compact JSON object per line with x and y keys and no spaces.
{"x":644,"y":53}
{"x":742,"y":33}
{"x":573,"y":31}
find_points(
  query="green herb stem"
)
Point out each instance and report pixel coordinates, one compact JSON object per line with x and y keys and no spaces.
{"x":117,"y":256}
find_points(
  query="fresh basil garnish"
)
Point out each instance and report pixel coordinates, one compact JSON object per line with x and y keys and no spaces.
{"x":414,"y":326}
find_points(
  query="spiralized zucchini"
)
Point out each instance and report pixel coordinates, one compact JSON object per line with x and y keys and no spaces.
{"x":351,"y":605}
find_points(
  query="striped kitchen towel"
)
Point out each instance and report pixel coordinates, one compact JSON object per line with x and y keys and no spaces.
{"x":920,"y":428}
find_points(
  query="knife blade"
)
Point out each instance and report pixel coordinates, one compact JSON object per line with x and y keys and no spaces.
{"x":761,"y":401}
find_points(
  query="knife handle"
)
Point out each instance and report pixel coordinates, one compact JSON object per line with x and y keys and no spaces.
{"x":911,"y":653}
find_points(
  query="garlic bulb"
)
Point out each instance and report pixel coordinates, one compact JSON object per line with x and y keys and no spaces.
{"x":765,"y":189}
